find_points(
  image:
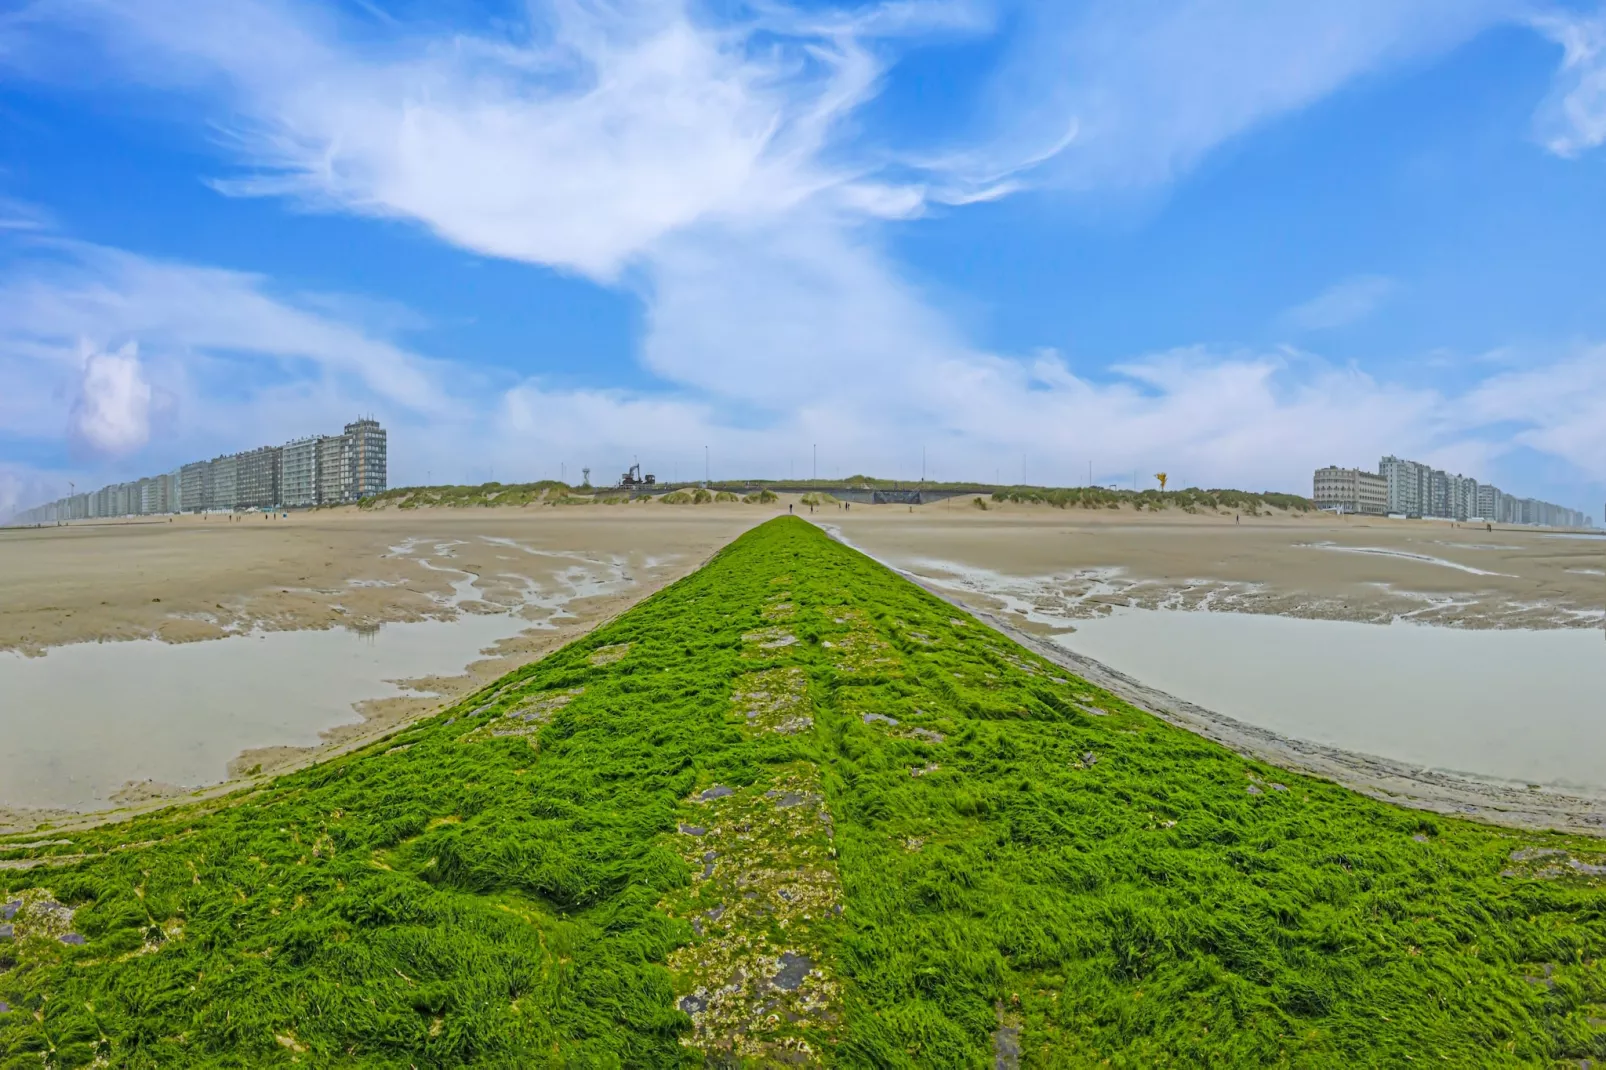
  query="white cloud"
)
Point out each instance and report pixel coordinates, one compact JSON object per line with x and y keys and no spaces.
{"x":1558,"y":409}
{"x":705,"y":165}
{"x":1573,"y":119}
{"x":113,"y":412}
{"x":1151,"y":86}
{"x":1341,"y":304}
{"x":577,"y":143}
{"x":1210,"y":417}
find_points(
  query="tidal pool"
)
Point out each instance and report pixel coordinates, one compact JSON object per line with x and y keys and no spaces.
{"x":80,"y":722}
{"x":1506,"y":705}
{"x":1519,"y":706}
{"x":83,"y":721}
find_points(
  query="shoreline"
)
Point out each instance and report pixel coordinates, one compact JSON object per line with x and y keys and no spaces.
{"x":1384,"y":779}
{"x":374,"y":719}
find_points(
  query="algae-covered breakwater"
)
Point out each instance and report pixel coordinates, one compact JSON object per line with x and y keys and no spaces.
{"x":792,"y":810}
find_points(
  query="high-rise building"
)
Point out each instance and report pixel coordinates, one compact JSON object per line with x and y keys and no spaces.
{"x":334,"y":469}
{"x":258,"y":478}
{"x":298,"y":473}
{"x":369,"y":467}
{"x":195,"y":485}
{"x":1407,"y":485}
{"x":225,"y":484}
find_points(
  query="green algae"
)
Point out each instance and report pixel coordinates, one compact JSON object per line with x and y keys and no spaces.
{"x":1028,"y":870}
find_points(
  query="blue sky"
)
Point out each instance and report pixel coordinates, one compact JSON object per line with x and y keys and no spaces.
{"x":1227,"y":239}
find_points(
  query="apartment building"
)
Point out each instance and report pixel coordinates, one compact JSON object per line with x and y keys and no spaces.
{"x":335,"y":474}
{"x":258,"y":479}
{"x":1351,"y":490}
{"x":368,"y":460}
{"x":319,"y":470}
{"x":1410,"y":488}
{"x":298,"y":473}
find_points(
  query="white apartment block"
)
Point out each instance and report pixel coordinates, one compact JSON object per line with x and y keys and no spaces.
{"x":1351,"y":490}
{"x":322,"y":470}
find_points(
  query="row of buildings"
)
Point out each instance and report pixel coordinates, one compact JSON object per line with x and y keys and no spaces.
{"x":1409,"y":488}
{"x":319,"y":470}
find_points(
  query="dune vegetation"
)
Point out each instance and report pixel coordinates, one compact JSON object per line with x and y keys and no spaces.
{"x":793,"y":810}
{"x":1190,"y":500}
{"x":552,"y":492}
{"x":544,"y":492}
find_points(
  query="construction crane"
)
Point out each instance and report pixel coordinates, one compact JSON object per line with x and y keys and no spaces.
{"x":634,"y":478}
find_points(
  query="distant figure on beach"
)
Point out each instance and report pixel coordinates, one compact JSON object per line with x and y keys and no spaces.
{"x":788,"y":508}
{"x":1237,"y":519}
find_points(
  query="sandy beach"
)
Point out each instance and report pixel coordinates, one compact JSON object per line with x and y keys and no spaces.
{"x":194,"y":579}
{"x":1317,"y":566}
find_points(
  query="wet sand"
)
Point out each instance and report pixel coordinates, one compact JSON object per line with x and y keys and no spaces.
{"x":207,"y":577}
{"x":1320,"y":567}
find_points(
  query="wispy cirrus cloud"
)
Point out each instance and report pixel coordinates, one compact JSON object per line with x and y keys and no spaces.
{"x":1573,"y":119}
{"x":1343,"y":303}
{"x":577,"y":142}
{"x":1151,"y":86}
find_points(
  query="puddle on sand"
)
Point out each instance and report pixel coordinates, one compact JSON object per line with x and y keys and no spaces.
{"x":1519,"y":706}
{"x":79,"y":723}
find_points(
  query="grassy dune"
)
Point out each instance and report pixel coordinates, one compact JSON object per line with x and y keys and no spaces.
{"x":794,"y":810}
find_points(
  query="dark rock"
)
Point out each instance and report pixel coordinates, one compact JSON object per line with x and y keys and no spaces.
{"x":1420,"y":838}
{"x":926,"y":734}
{"x":717,"y":913}
{"x":1587,"y":869}
{"x":693,"y":830}
{"x":708,"y":871}
{"x":1525,"y":854}
{"x":9,"y":910}
{"x":5,"y":1008}
{"x":872,"y":718}
{"x":709,"y":856}
{"x":1279,"y":787}
{"x":7,"y":931}
{"x":72,"y":938}
{"x":792,"y":969}
{"x":1090,"y":759}
{"x":718,"y":791}
{"x":694,"y":1004}
{"x":1254,"y":790}
{"x":786,"y":799}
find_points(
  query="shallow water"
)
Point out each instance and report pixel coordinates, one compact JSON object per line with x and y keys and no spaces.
{"x":1524,"y":706}
{"x":82,"y":721}
{"x":1509,"y":705}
